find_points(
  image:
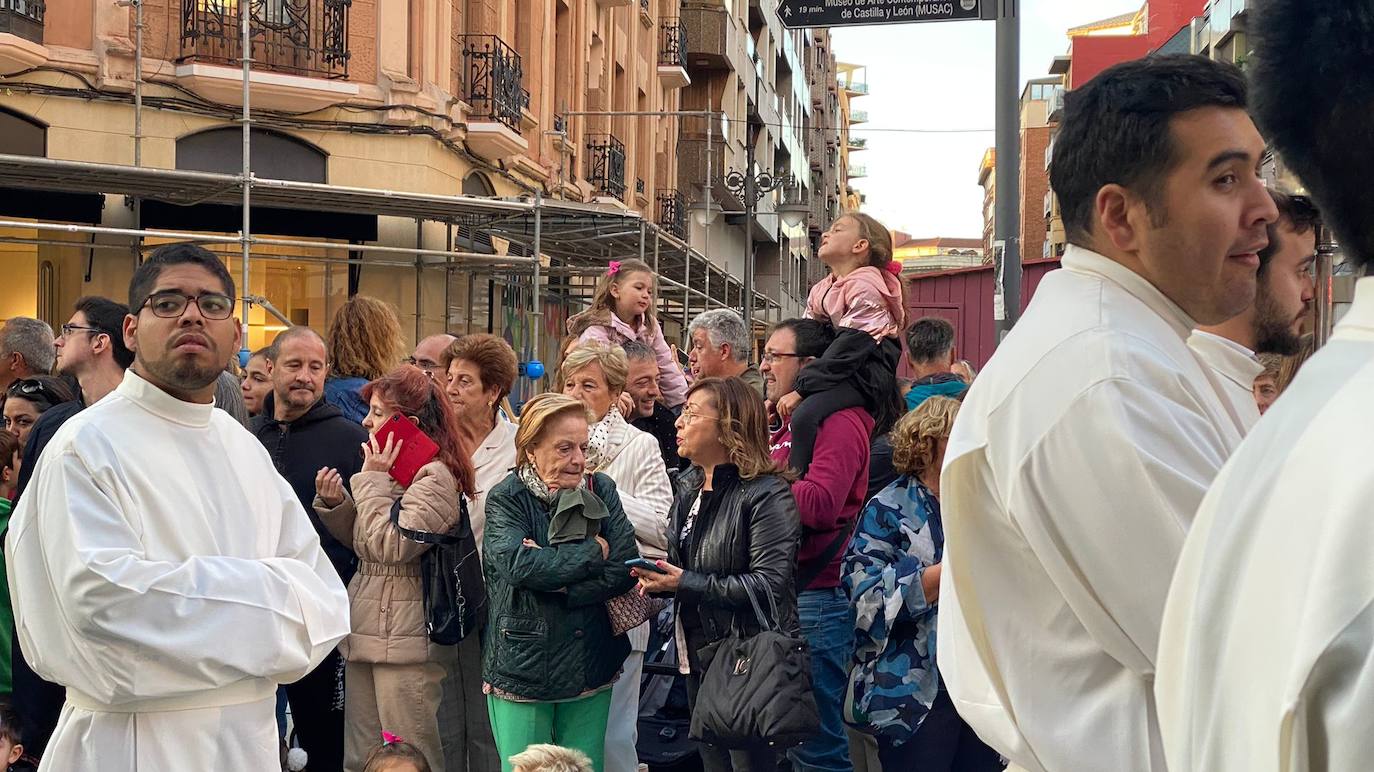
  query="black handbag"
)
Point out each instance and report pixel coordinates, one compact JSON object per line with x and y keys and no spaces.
{"x":757,"y":689}
{"x":455,"y":594}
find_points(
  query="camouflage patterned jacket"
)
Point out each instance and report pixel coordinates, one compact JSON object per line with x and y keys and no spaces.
{"x":893,"y":679}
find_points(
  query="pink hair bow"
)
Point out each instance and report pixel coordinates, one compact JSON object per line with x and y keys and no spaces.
{"x":613,"y":268}
{"x":894,"y":268}
{"x":390,"y":739}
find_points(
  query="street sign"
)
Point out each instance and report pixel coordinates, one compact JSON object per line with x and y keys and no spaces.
{"x":797,"y":14}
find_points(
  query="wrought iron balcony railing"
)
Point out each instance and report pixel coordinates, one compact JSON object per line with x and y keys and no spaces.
{"x":492,"y":80}
{"x":672,"y":42}
{"x":672,"y":212}
{"x":606,"y":164}
{"x":23,"y":18}
{"x":301,"y":37}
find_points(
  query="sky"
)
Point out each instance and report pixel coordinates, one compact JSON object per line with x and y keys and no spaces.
{"x":939,"y":76}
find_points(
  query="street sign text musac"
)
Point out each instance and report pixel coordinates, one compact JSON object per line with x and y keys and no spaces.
{"x":796,"y":14}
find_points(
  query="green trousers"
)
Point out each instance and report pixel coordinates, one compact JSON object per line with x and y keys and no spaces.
{"x":578,"y":724}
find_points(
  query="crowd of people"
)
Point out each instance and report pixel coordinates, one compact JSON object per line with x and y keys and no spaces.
{"x":344,"y":556}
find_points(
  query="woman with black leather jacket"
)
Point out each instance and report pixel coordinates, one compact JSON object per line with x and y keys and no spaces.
{"x":734,"y":525}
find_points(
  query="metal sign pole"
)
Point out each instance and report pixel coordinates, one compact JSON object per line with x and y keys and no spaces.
{"x":1008,"y":204}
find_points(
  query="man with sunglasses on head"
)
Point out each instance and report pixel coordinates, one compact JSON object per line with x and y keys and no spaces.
{"x":162,"y":571}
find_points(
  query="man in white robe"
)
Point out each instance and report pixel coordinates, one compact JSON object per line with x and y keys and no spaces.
{"x":1273,"y":323}
{"x":1083,"y":449}
{"x":161,"y":570}
{"x":1266,"y":657}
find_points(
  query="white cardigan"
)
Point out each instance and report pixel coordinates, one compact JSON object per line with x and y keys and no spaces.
{"x":634,"y":463}
{"x":493,"y":461}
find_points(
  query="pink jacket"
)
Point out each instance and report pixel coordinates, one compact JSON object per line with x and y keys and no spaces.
{"x":868,"y":299}
{"x":671,"y":380}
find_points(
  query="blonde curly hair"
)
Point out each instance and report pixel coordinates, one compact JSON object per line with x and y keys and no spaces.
{"x":916,"y":437}
{"x":364,"y":339}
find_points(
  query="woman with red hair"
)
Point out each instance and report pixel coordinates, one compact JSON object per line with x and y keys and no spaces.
{"x":393,"y":672}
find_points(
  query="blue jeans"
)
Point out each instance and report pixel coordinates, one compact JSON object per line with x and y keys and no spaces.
{"x":827,"y":623}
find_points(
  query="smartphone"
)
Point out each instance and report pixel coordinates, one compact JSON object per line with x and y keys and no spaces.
{"x":645,"y":564}
{"x":417,"y":449}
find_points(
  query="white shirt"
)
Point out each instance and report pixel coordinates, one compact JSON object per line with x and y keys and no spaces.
{"x":1265,"y":656}
{"x":165,"y":574}
{"x":1075,"y":466}
{"x":493,"y":461}
{"x":1236,"y":369}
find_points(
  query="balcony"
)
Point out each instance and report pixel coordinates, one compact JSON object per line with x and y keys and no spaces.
{"x":606,"y":165}
{"x":858,"y":116}
{"x":296,"y":37}
{"x":672,"y":212}
{"x":1054,"y":105}
{"x":490,"y":79}
{"x":672,"y":46}
{"x":23,"y":19}
{"x":854,"y":88}
{"x":857,"y":172}
{"x":710,"y":39}
{"x":858,"y":143}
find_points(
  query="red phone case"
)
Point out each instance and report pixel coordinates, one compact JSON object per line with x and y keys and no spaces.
{"x":417,"y":449}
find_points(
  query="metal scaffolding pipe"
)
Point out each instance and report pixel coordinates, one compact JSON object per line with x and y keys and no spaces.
{"x":537,"y":310}
{"x":470,"y":257}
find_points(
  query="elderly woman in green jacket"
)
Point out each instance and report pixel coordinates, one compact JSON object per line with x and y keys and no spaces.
{"x":554,"y":553}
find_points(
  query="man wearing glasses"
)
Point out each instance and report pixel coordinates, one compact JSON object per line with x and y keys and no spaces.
{"x":429,"y":355}
{"x":1273,"y":323}
{"x":163,"y":572}
{"x":90,"y":349}
{"x":829,"y":496}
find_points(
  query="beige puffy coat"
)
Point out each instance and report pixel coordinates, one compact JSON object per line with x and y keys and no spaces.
{"x":385,"y":597}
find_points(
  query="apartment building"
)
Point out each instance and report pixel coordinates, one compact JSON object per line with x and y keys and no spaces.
{"x":400,"y":150}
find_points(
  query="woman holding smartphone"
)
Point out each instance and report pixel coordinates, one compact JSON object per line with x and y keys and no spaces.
{"x":734,"y":532}
{"x":393,"y":672}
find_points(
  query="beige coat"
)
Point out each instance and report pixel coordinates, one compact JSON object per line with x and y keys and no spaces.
{"x":385,"y":597}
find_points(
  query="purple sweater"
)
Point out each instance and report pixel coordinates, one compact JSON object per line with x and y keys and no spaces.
{"x":832,"y":493}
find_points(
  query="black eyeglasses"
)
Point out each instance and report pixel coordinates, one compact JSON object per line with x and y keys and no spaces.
{"x":70,"y":329}
{"x":171,"y":305}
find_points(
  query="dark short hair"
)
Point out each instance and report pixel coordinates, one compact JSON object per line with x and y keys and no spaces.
{"x":929,"y":338}
{"x":813,"y":338}
{"x":1116,"y":130}
{"x":1296,"y":213}
{"x":266,"y":352}
{"x":145,"y":278}
{"x":9,"y":721}
{"x":108,"y":316}
{"x":1314,"y":91}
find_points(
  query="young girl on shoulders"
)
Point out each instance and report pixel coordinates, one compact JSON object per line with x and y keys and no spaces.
{"x":862,"y":298}
{"x":623,"y":309}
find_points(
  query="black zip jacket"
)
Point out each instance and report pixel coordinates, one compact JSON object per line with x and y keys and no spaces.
{"x":299,"y":449}
{"x":747,"y":536}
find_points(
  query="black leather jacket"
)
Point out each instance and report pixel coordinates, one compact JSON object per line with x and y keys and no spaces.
{"x":749,"y":537}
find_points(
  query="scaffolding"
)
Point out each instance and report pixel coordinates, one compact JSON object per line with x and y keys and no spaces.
{"x":543,"y":244}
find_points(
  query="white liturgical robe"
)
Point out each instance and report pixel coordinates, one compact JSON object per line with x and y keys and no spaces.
{"x":165,"y":574}
{"x":1236,"y":369}
{"x":1266,"y":657}
{"x":1074,"y":469}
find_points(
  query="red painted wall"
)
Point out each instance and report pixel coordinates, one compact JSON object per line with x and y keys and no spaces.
{"x":1092,"y":55}
{"x":964,"y":297}
{"x":1167,"y":17}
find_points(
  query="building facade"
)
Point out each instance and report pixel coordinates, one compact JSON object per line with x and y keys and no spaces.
{"x":444,"y":103}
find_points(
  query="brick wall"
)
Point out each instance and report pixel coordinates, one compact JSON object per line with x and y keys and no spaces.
{"x":1035,"y":183}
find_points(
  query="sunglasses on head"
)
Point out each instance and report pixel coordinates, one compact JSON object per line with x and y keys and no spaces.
{"x":34,"y":390}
